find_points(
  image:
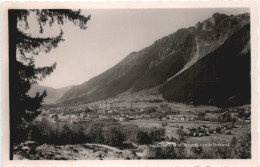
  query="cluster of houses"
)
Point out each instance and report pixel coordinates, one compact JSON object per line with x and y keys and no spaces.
{"x":121,"y":113}
{"x":201,"y":131}
{"x":239,"y":109}
{"x":182,"y":118}
{"x":248,"y":120}
{"x":206,"y":130}
{"x":240,"y":114}
{"x":106,"y":110}
{"x":117,"y":113}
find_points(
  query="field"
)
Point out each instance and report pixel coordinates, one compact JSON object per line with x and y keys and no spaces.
{"x":172,"y":127}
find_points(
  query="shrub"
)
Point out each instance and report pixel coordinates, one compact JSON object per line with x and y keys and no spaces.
{"x":201,"y":114}
{"x":113,"y":136}
{"x":181,"y":135}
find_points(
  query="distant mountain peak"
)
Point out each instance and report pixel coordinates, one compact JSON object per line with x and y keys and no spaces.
{"x":53,"y":94}
{"x":211,"y":22}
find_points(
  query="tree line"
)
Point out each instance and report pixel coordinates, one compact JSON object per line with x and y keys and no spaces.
{"x":110,"y":133}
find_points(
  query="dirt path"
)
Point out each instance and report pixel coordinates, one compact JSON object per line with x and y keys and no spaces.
{"x":166,"y":121}
{"x":105,"y":146}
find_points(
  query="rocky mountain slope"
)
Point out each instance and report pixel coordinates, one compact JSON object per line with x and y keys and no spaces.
{"x":221,"y":78}
{"x":185,"y":66}
{"x":52,"y":94}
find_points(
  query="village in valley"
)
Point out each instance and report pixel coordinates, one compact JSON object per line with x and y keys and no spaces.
{"x":106,"y":111}
{"x":179,"y":128}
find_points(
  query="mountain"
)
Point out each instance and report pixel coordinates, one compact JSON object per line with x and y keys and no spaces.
{"x":221,"y":78}
{"x":52,"y":94}
{"x":208,"y":63}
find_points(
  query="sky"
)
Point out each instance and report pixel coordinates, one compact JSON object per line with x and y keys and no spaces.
{"x":111,"y":35}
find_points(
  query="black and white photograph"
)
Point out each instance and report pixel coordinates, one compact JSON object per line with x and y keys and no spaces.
{"x":129,"y":84}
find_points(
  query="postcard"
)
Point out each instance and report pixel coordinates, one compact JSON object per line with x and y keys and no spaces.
{"x":129,"y":84}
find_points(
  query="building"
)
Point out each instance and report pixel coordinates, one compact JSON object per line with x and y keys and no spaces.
{"x":181,"y":118}
{"x":92,"y":115}
{"x":123,"y":119}
{"x":82,"y":115}
{"x":103,"y":117}
{"x":211,"y":131}
{"x":165,"y":144}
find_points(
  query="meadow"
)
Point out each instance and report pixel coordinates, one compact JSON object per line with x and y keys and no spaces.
{"x":172,"y":127}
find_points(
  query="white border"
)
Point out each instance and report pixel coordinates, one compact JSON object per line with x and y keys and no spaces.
{"x":123,"y":5}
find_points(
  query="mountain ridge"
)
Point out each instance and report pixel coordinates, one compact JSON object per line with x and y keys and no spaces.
{"x":154,"y":65}
{"x":53,"y":94}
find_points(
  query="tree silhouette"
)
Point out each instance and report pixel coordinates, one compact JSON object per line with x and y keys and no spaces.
{"x":22,"y":72}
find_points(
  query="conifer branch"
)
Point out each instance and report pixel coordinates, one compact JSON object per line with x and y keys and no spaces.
{"x":61,"y":15}
{"x":27,"y":44}
{"x":43,"y":72}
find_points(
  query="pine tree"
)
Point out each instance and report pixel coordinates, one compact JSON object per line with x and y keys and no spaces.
{"x":23,"y":73}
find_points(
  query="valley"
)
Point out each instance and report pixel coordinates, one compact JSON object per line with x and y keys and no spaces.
{"x":84,"y":132}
